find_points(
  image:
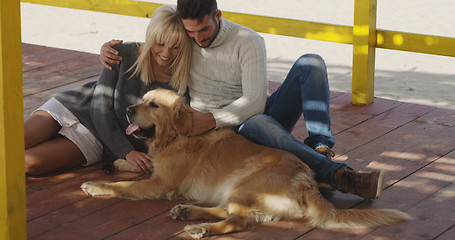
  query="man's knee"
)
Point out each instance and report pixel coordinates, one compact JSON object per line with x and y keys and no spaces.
{"x":313,"y":65}
{"x":311,"y":57}
{"x":311,"y":60}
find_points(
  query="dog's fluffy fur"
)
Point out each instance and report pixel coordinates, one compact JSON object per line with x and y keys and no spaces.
{"x":245,"y":182}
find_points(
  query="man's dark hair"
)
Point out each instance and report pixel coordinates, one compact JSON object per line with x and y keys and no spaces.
{"x":196,"y":9}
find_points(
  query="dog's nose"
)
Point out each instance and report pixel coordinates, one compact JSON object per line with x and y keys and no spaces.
{"x":130,"y":110}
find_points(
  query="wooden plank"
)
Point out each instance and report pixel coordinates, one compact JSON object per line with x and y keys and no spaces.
{"x":161,"y":226}
{"x":53,"y":70}
{"x":68,"y":192}
{"x":35,"y":100}
{"x":378,"y":126}
{"x":397,"y":151}
{"x":60,"y":80}
{"x":67,"y":215}
{"x":448,"y":235}
{"x":68,"y":203}
{"x":12,"y":182}
{"x":419,"y":194}
{"x":402,"y":151}
{"x":412,"y":145}
{"x":36,"y":56}
{"x":61,"y":73}
{"x":36,"y":184}
{"x":434,"y":186}
{"x":108,"y":221}
{"x":347,"y":115}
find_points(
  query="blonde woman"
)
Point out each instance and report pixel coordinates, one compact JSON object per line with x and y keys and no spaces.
{"x":82,"y":125}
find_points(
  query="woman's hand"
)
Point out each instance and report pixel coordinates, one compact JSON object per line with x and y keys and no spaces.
{"x":109,"y":55}
{"x":141,"y":160}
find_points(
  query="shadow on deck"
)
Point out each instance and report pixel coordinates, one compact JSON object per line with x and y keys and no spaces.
{"x":414,"y":143}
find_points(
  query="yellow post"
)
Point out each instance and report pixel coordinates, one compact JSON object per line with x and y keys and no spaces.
{"x":12,"y":177}
{"x":364,"y":32}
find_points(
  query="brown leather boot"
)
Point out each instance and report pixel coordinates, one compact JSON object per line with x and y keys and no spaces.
{"x":367,"y":185}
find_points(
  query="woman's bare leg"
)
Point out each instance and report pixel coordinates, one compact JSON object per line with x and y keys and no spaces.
{"x":45,"y":149}
{"x":40,"y":127}
{"x":55,"y":154}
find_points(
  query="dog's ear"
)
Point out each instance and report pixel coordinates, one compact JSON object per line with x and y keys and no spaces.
{"x":182,"y":119}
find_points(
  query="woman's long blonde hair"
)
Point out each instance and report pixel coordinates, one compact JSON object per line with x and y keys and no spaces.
{"x":165,"y":27}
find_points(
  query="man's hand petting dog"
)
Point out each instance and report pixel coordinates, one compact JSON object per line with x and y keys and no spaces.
{"x":202,"y":122}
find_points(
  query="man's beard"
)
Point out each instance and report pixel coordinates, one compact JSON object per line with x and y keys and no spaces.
{"x":212,"y":38}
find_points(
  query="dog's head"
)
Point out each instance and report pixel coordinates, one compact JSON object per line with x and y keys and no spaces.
{"x":159,"y":118}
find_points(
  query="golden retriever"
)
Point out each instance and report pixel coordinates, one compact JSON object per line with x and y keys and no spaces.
{"x":245,"y":182}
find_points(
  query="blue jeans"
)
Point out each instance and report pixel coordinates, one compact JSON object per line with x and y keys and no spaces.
{"x":304,"y":91}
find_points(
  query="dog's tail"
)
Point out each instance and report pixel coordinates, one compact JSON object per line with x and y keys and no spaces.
{"x":321,"y":213}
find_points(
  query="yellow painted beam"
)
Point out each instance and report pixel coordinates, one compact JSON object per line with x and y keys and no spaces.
{"x":436,"y":45}
{"x":272,"y":25}
{"x":293,"y":28}
{"x":123,"y":7}
{"x":12,"y":173}
{"x":363,"y":51}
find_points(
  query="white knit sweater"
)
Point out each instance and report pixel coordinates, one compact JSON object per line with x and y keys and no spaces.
{"x":229,"y":77}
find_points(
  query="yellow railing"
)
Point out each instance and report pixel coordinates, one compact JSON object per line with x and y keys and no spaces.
{"x":364,"y":37}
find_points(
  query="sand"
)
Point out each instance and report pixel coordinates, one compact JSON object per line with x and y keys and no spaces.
{"x":409,"y":77}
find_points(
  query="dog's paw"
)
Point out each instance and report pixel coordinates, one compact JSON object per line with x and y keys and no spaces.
{"x":180,"y":212}
{"x":197,"y":231}
{"x":125,"y":166}
{"x":92,"y":188}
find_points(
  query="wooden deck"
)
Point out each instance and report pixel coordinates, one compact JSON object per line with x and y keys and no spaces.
{"x":414,"y":143}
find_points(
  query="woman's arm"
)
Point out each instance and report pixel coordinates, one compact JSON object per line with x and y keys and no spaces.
{"x":106,"y":97}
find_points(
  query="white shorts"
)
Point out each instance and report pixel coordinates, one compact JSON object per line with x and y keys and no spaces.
{"x":74,"y":130}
